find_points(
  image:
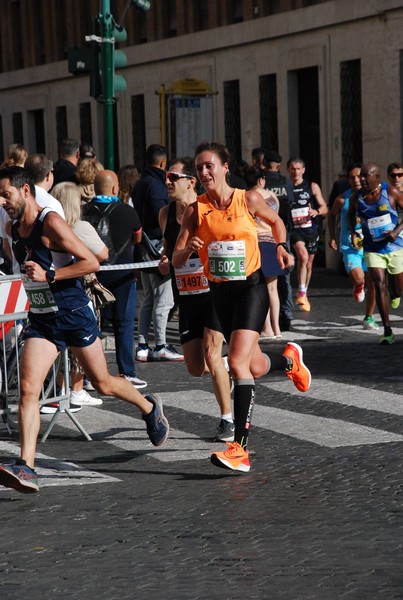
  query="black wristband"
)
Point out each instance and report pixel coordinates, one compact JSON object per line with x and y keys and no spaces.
{"x":282,"y":244}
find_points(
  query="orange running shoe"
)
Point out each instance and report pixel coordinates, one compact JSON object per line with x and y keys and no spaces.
{"x":303,"y":302}
{"x":298,"y":372}
{"x":235,"y":458}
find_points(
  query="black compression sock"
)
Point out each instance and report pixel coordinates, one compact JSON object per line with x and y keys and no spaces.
{"x":244,"y":399}
{"x":278,"y":362}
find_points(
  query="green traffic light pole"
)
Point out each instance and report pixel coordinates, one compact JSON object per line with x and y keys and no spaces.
{"x":111,"y":59}
{"x":107,"y":50}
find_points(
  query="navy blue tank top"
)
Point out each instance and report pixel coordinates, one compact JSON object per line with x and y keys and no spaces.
{"x":303,"y":198}
{"x":68,"y":294}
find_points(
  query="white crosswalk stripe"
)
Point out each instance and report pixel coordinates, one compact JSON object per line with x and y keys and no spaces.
{"x":53,"y":471}
{"x":129,"y":434}
{"x":303,"y":330}
{"x":341,"y":393}
{"x":323,"y":431}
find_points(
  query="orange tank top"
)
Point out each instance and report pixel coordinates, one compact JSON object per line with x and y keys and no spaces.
{"x":230,"y":250}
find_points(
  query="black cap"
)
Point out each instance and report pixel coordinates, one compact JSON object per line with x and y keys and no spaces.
{"x":273,"y":156}
{"x":87,"y":151}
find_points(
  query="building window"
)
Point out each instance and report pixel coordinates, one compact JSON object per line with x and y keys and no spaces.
{"x":18,"y":132}
{"x":268,"y":111}
{"x":201,"y":15}
{"x":236,"y":11}
{"x":171,"y":18}
{"x":39,"y":19}
{"x":351,"y":112}
{"x":85,"y":123}
{"x":139,"y":131}
{"x":232,"y":119}
{"x":61,"y":124}
{"x":17,"y":49}
{"x":36,"y":131}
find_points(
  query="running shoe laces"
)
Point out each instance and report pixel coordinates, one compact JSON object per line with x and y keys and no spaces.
{"x":235,"y":457}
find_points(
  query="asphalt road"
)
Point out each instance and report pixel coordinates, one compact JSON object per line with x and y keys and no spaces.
{"x":319,"y":516}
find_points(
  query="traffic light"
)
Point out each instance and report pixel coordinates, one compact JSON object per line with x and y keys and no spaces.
{"x":119,"y":34}
{"x":111,"y":59}
{"x":143,"y":5}
{"x":88,"y":60}
{"x":119,"y":58}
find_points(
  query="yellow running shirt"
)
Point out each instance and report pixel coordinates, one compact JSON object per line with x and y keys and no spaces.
{"x":230,"y":250}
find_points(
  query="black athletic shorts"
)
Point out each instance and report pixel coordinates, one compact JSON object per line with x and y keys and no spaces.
{"x":195,"y":313}
{"x":241,"y":304}
{"x":310,"y":240}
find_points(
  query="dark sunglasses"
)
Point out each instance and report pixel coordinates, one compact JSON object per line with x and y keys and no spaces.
{"x":172,"y":176}
{"x":396,"y":175}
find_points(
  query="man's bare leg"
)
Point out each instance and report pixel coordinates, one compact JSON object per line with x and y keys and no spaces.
{"x":36,"y":359}
{"x":92,"y":359}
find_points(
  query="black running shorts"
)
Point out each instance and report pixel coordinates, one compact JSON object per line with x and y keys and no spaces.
{"x":241,"y":304}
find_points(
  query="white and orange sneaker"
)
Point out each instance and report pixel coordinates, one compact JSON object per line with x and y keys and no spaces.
{"x":235,"y":458}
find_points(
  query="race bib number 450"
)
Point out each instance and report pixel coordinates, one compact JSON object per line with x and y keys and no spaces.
{"x":227,"y":260}
{"x":190,"y":279}
{"x":40,"y":297}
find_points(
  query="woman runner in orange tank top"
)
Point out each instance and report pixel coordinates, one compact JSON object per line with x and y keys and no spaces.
{"x":220,"y":227}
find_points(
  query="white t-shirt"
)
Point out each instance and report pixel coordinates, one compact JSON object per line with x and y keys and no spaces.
{"x":44,"y":199}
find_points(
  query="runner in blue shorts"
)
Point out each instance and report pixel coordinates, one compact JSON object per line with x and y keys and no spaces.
{"x":353,"y":258}
{"x":52,"y":259}
{"x":376,"y":205}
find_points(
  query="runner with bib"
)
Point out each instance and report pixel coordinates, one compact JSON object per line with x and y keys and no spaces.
{"x":220,"y":226}
{"x":52,"y":259}
{"x":199,"y":328}
{"x":308,"y":204}
{"x":377,"y":204}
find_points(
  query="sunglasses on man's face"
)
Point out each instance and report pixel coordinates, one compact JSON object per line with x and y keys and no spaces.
{"x":172,"y":176}
{"x":395,"y":175}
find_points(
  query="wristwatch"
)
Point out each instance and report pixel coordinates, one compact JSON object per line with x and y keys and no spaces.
{"x":282,"y":244}
{"x":50,"y":276}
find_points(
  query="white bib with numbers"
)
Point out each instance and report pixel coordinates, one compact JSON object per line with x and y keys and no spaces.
{"x":300,"y":217}
{"x":227,"y":260}
{"x":190,"y":278}
{"x":40,"y":297}
{"x":379,"y":226}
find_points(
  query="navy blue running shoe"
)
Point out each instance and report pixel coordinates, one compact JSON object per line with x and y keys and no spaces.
{"x":157,"y":423}
{"x":19,"y":477}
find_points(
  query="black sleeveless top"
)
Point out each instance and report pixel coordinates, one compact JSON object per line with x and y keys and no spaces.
{"x":172,"y":229}
{"x":302,"y":197}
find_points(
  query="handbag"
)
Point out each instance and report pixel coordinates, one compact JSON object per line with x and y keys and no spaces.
{"x":148,"y":250}
{"x":98,"y":293}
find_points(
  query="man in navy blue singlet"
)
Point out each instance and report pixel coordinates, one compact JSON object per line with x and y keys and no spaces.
{"x":52,"y":259}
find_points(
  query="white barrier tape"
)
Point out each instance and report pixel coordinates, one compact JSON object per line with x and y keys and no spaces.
{"x":138,"y":265}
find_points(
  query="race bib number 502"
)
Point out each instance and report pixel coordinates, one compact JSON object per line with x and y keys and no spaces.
{"x":227,"y":260}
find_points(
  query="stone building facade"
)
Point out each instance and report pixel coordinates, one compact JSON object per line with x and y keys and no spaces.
{"x":322,"y":80}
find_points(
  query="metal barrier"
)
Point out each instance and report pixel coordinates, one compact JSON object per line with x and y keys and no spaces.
{"x":14,"y":307}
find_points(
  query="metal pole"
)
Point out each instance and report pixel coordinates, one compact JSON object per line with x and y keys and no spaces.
{"x":107,"y":49}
